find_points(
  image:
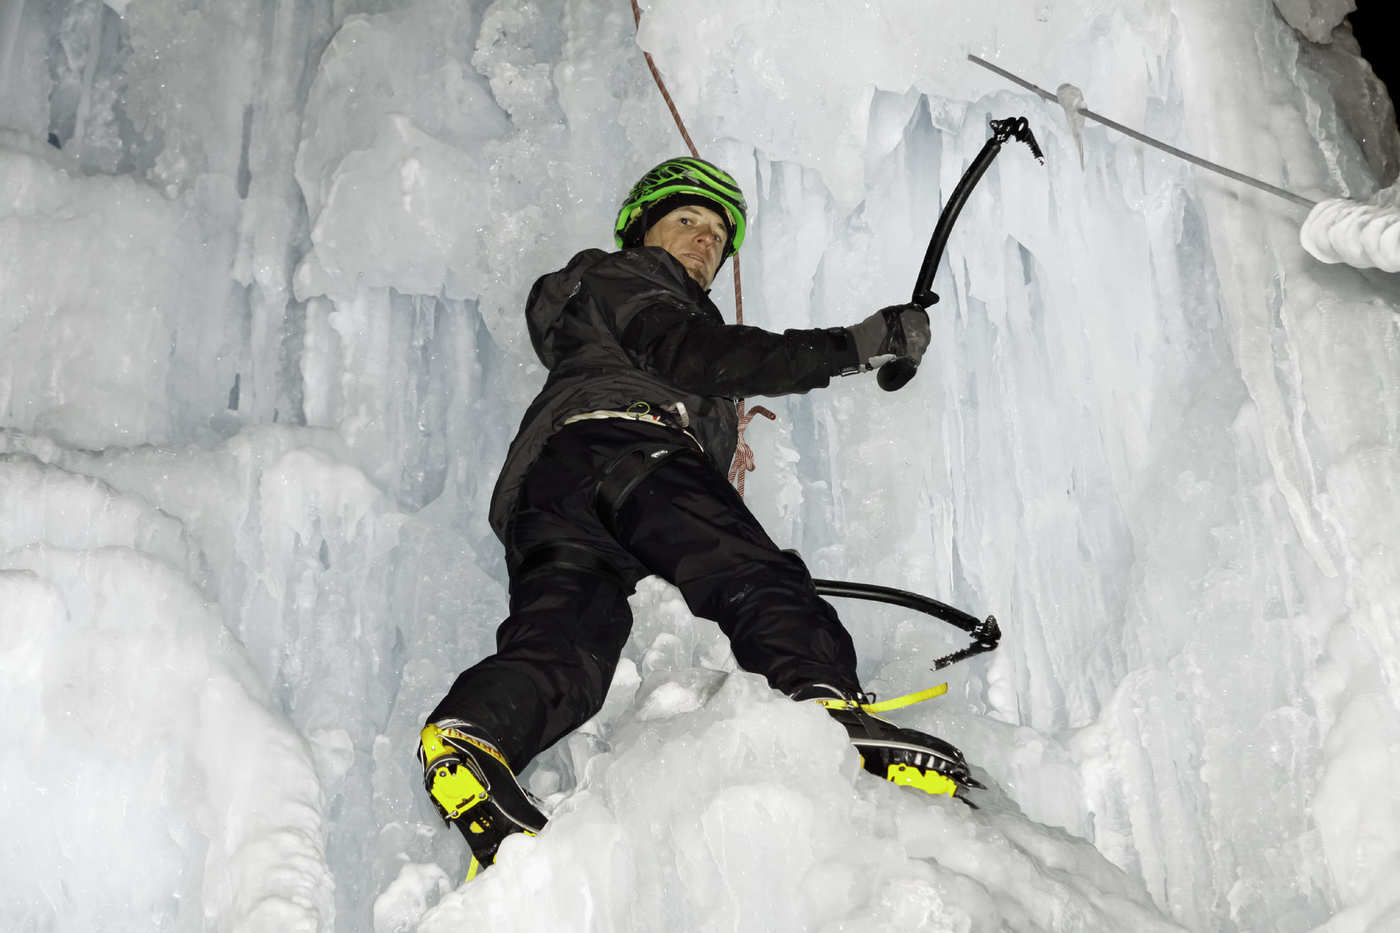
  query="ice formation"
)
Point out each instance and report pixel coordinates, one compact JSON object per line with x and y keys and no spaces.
{"x":1315,"y":19}
{"x":261,"y":350}
{"x":1072,"y":99}
{"x":1365,"y":235}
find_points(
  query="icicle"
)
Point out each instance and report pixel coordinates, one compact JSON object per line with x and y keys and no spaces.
{"x":1072,"y":99}
{"x":10,"y":17}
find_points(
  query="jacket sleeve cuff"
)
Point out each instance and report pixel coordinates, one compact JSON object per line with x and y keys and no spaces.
{"x":843,"y":354}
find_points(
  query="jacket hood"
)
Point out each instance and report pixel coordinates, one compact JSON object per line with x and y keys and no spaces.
{"x":550,"y":296}
{"x":552,"y":293}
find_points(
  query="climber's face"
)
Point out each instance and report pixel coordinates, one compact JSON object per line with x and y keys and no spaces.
{"x":695,"y":235}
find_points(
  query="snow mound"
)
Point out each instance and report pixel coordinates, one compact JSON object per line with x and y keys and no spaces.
{"x":145,"y":734}
{"x":716,"y":804}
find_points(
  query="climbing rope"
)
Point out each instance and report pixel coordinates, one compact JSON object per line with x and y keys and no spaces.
{"x":661,"y":85}
{"x":743,"y":462}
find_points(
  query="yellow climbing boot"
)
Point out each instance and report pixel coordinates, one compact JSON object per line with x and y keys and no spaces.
{"x":472,"y":786}
{"x":906,"y":757}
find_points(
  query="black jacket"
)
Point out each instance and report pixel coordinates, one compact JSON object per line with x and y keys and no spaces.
{"x":632,"y":326}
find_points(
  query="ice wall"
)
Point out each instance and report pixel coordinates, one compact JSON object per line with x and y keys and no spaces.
{"x":261,"y":353}
{"x":126,"y":709}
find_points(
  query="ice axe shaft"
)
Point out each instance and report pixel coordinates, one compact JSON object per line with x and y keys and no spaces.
{"x":894,"y":374}
{"x":985,"y":633}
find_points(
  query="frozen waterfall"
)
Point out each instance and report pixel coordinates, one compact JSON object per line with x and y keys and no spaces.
{"x":262,"y":267}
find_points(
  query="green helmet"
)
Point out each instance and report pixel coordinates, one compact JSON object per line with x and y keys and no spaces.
{"x":683,"y":180}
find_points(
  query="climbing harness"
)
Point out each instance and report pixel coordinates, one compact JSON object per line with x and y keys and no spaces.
{"x":625,"y":473}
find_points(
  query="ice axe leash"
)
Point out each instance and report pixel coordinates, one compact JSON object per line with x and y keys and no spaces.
{"x":894,"y":374}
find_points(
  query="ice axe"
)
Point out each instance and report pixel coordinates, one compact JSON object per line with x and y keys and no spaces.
{"x":894,"y":374}
{"x":985,"y":633}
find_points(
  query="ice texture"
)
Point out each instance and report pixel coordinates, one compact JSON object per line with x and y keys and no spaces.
{"x":1315,"y":18}
{"x":1072,"y":99}
{"x":1364,"y":235}
{"x":144,"y":755}
{"x":694,"y":820}
{"x":1363,"y":103}
{"x":262,"y":267}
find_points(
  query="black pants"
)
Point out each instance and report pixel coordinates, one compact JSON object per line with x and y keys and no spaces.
{"x":572,"y":571}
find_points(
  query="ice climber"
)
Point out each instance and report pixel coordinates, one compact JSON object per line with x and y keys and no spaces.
{"x":618,"y":471}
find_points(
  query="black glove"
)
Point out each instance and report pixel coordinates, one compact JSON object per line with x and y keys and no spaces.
{"x":896,"y":332}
